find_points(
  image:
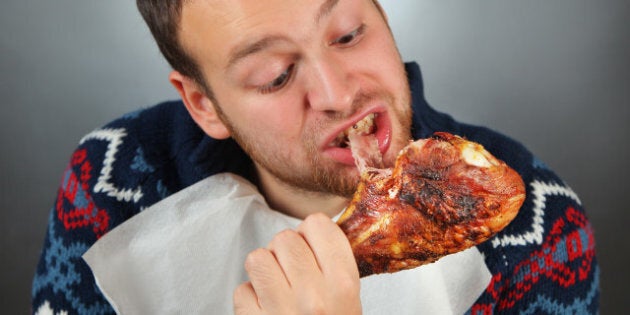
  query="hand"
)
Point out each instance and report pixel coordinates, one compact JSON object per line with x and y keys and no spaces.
{"x":307,"y":271}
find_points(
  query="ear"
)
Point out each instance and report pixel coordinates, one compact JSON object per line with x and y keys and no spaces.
{"x":199,"y":105}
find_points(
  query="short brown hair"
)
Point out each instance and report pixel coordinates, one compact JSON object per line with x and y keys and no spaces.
{"x":163,"y":18}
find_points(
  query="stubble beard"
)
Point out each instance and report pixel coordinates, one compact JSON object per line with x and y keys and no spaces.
{"x":322,"y":176}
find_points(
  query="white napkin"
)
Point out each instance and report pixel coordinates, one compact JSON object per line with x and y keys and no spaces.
{"x":184,"y":255}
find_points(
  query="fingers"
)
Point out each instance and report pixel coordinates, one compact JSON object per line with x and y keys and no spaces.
{"x":245,"y":300}
{"x":295,"y":257}
{"x":267,"y":278}
{"x":330,"y":246}
{"x":310,"y":270}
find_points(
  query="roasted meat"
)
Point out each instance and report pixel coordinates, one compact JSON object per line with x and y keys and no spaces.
{"x":444,"y":194}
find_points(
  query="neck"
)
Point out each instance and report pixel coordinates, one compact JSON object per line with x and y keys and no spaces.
{"x":297,"y":202}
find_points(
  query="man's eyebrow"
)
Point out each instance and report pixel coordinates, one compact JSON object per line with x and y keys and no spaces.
{"x":325,"y":9}
{"x":249,"y":49}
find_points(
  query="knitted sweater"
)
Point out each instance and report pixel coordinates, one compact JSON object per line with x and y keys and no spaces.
{"x":542,"y":263}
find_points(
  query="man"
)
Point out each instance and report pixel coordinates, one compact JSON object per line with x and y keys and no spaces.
{"x":284,"y":80}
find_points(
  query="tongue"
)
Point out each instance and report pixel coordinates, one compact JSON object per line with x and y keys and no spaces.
{"x":365,"y":151}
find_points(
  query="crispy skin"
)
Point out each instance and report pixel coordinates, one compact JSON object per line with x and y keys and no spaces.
{"x":444,"y":194}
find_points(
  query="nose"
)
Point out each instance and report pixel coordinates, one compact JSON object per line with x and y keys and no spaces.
{"x":332,"y":86}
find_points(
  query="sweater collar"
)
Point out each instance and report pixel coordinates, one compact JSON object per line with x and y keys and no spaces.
{"x":426,"y":120}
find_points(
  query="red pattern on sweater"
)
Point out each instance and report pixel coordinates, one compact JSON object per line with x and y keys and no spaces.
{"x":569,"y":241}
{"x":87,"y":214}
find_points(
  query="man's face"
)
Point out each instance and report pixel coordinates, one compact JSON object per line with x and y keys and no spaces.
{"x":290,"y":76}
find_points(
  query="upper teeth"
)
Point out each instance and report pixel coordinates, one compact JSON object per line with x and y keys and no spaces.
{"x":364,"y":126}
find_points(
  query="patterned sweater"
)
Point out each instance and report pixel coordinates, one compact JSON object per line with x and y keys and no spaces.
{"x":542,"y":263}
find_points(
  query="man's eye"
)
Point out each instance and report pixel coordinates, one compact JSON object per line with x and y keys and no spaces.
{"x":278,"y":82}
{"x":350,"y":37}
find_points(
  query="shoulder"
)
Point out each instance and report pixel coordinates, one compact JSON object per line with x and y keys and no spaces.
{"x":107,"y":180}
{"x":544,"y":260}
{"x":124,"y":153}
{"x":144,"y":156}
{"x":114,"y":173}
{"x":112,"y":169}
{"x":546,"y":256}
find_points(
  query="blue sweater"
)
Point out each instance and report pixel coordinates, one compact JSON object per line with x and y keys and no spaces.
{"x":542,"y":263}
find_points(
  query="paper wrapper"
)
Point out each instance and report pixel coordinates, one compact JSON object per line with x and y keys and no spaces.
{"x":185,"y":254}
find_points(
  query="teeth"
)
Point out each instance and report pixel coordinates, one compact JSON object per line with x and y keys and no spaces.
{"x":363,"y":127}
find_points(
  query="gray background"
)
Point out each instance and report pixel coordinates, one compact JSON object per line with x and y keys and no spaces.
{"x":553,"y":74}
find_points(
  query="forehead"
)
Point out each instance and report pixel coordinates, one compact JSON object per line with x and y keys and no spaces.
{"x":210,"y":29}
{"x":241,"y":12}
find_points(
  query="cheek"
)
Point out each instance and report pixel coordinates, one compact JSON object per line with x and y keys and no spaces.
{"x":274,"y":118}
{"x":278,"y":122}
{"x":391,"y":65}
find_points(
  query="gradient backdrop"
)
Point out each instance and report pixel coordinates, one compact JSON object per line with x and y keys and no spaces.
{"x":553,"y":74}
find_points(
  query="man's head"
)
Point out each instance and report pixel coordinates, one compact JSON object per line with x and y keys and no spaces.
{"x":285,"y":79}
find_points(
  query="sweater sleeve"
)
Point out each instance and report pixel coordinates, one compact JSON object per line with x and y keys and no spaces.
{"x":544,"y":262}
{"x":109,"y":179}
{"x":63,"y":283}
{"x":116,"y":172}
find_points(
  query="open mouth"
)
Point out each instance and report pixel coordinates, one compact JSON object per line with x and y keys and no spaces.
{"x":363,"y":127}
{"x":371,"y":134}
